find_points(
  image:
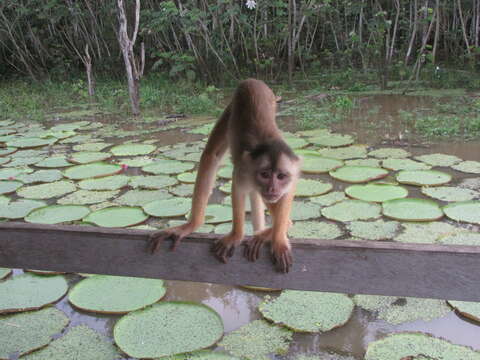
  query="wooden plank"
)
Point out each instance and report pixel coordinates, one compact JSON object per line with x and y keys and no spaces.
{"x":355,"y":267}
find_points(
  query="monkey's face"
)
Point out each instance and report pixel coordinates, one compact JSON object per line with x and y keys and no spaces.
{"x":275,"y":180}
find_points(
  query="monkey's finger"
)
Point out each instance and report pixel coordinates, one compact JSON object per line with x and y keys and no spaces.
{"x":256,"y":254}
{"x":175,"y":241}
{"x":231,"y":250}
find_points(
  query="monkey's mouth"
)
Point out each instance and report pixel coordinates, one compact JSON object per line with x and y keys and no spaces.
{"x":270,"y":198}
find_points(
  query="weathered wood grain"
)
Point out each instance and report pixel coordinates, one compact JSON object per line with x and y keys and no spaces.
{"x":363,"y":267}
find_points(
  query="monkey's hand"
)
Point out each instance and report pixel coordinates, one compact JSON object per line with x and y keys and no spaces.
{"x":252,"y":248}
{"x":282,"y":255}
{"x":223,"y":248}
{"x":174,"y":234}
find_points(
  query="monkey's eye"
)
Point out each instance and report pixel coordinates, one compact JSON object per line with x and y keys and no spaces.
{"x":265,"y":174}
{"x":281,"y":176}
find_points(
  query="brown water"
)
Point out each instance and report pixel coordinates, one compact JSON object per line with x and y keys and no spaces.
{"x":375,"y":121}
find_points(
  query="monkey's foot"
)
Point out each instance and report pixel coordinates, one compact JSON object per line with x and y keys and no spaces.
{"x":174,"y":235}
{"x":225,"y":247}
{"x":252,"y":248}
{"x":282,"y":257}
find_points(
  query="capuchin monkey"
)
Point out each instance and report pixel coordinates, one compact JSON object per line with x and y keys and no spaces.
{"x":264,"y":168}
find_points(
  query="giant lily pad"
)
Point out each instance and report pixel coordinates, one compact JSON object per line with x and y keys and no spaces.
{"x":304,"y":210}
{"x":25,"y":332}
{"x":152,"y":182}
{"x":202,"y":355}
{"x":308,"y":311}
{"x":466,"y":211}
{"x":85,"y":197}
{"x":256,"y":340}
{"x":389,"y":153}
{"x":46,"y":191}
{"x":316,"y":164}
{"x":26,"y":143}
{"x":332,"y":140}
{"x":308,"y":187}
{"x":30,"y":292}
{"x":19,"y":209}
{"x":329,"y":199}
{"x":80,"y":343}
{"x":314,"y":230}
{"x":412,"y":210}
{"x":153,"y":332}
{"x":363,"y":162}
{"x":115,"y":294}
{"x":142,"y":197}
{"x":4,"y":273}
{"x":471,"y":167}
{"x":350,"y":210}
{"x":24,"y":161}
{"x":183,"y":190}
{"x":55,"y":214}
{"x":376,"y":192}
{"x":93,"y":170}
{"x":7,"y":187}
{"x":404,"y":164}
{"x":373,"y":230}
{"x":168,"y":207}
{"x":132,"y":149}
{"x":423,"y":177}
{"x":427,"y":233}
{"x":187,"y":177}
{"x":54,"y":162}
{"x":358,"y":174}
{"x":216,"y":213}
{"x":461,"y":238}
{"x":138,"y":161}
{"x":349,"y":152}
{"x":99,"y":146}
{"x":40,"y":176}
{"x":117,"y":216}
{"x":10,"y":174}
{"x":7,"y":151}
{"x":450,"y":193}
{"x":168,"y":167}
{"x":439,"y":159}
{"x":404,"y":345}
{"x":86,"y":157}
{"x":114,"y":182}
{"x":295,"y":142}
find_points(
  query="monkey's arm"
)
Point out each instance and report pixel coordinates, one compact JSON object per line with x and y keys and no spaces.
{"x":212,"y":155}
{"x":258,"y":211}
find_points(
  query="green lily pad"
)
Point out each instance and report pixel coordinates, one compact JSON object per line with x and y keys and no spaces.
{"x":202,"y":130}
{"x":152,"y":182}
{"x":30,"y":292}
{"x":86,"y":157}
{"x":322,"y":355}
{"x":332,"y":140}
{"x":314,"y":230}
{"x":376,"y":192}
{"x":349,"y":152}
{"x":461,"y":238}
{"x":141,"y":197}
{"x":216,"y":213}
{"x":187,"y":177}
{"x":19,"y":209}
{"x":117,"y":216}
{"x":227,"y":200}
{"x":132,"y":149}
{"x":471,"y":183}
{"x":404,"y":164}
{"x":304,"y":210}
{"x":153,"y":332}
{"x":316,"y":164}
{"x":308,"y":311}
{"x":86,"y":197}
{"x":47,"y":191}
{"x":205,"y":228}
{"x":384,"y":153}
{"x":350,"y":210}
{"x":136,"y":161}
{"x":9,"y":174}
{"x":98,"y":146}
{"x":466,"y":211}
{"x":225,"y":228}
{"x":24,"y":161}
{"x":468,"y":309}
{"x":40,"y":176}
{"x":295,"y":142}
{"x":358,"y":174}
{"x":7,"y":151}
{"x":78,"y":139}
{"x":450,"y":193}
{"x":168,"y":207}
{"x":168,"y":167}
{"x":7,"y":187}
{"x":93,"y":170}
{"x":5,"y":123}
{"x":114,"y":182}
{"x":412,"y":210}
{"x":427,"y":233}
{"x":226,"y":188}
{"x":69,"y":126}
{"x":226,"y":172}
{"x":115,"y":294}
{"x":423,"y":177}
{"x":329,"y":199}
{"x":4,"y":273}
{"x":202,"y":355}
{"x":373,"y":230}
{"x":54,"y":162}
{"x":256,"y":340}
{"x":182,"y":190}
{"x":27,"y":143}
{"x":363,"y":162}
{"x":308,"y":187}
{"x":80,"y":343}
{"x":439,"y":159}
{"x":4,"y":160}
{"x":56,"y":214}
{"x":471,"y":167}
{"x":400,"y":346}
{"x":25,"y":332}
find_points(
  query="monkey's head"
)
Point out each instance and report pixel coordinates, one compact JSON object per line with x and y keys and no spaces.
{"x":275,"y":167}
